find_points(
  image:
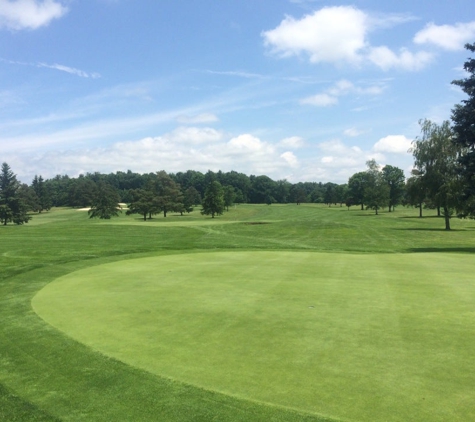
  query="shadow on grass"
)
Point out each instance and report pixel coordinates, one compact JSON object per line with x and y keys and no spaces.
{"x":424,"y":217}
{"x":428,"y":229}
{"x":444,"y":250}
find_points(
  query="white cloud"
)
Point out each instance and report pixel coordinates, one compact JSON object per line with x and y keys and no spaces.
{"x":353,"y":132}
{"x":200,"y":118}
{"x":292,"y":142}
{"x":29,"y":14}
{"x":331,"y":34}
{"x":340,"y":35}
{"x":340,"y":88}
{"x":448,"y":37}
{"x":386,"y":59}
{"x":179,"y":150}
{"x":395,"y":144}
{"x":194,"y":135}
{"x":320,"y":100}
{"x":290,"y":158}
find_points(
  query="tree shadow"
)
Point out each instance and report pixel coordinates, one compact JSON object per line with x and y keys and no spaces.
{"x":428,"y":229}
{"x":444,"y":250}
{"x":424,"y":217}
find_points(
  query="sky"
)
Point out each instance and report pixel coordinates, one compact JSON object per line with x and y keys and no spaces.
{"x":303,"y":90}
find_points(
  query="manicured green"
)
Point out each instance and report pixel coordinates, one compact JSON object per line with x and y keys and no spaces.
{"x":393,"y":341}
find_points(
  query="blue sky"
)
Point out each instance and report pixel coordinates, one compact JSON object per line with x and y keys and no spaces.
{"x":296,"y":89}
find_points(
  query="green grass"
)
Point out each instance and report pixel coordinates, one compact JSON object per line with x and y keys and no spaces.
{"x":395,"y":321}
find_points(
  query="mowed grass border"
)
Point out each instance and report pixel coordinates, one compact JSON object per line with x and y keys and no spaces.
{"x":46,"y":376}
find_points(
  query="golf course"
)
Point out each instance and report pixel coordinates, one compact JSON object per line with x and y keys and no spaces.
{"x":266,"y":313}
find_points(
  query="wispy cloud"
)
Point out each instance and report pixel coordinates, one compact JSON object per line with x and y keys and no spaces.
{"x":29,"y":14}
{"x":343,"y":87}
{"x":200,"y":118}
{"x":55,"y":66}
{"x":71,"y":70}
{"x":237,"y":73}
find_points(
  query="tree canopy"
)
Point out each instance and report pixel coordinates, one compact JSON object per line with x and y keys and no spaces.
{"x":463,"y":117}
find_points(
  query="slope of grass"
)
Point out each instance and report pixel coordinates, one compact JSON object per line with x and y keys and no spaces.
{"x":302,"y":329}
{"x":56,"y":377}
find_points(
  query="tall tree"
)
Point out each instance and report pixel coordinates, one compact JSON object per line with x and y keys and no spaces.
{"x":229,"y":196}
{"x":356,"y":188}
{"x":42,"y":192}
{"x":415,"y":193}
{"x":463,"y":117}
{"x":169,"y":194}
{"x":394,"y":177}
{"x":435,"y":161}
{"x":12,"y":207}
{"x":376,"y":191}
{"x":191,"y":197}
{"x":105,"y":203}
{"x":213,"y":201}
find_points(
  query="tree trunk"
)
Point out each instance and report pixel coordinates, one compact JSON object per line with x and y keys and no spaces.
{"x":390,"y":207}
{"x":376,"y":208}
{"x":362,"y":207}
{"x":447,"y":218}
{"x":420,"y":210}
{"x":144,"y":216}
{"x":438,"y":211}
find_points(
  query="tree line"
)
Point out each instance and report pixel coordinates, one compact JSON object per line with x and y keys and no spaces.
{"x":443,"y":178}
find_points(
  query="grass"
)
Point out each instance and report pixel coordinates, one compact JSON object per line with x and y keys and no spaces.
{"x":396,"y":343}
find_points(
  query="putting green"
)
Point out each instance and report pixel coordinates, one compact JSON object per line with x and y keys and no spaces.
{"x":358,"y":337}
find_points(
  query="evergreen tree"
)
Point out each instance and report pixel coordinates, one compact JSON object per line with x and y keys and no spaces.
{"x":41,"y":190}
{"x":13,"y":208}
{"x":463,"y":117}
{"x":105,"y":203}
{"x":213,"y":201}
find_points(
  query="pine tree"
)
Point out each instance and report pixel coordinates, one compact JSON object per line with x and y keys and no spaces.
{"x":12,"y":207}
{"x":463,"y":117}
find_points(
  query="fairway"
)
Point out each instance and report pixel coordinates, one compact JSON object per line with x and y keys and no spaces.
{"x":348,"y":336}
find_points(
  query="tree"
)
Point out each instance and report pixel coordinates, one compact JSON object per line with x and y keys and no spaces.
{"x":229,"y":196}
{"x":330,"y":196}
{"x":299,"y":194}
{"x":12,"y":207}
{"x":191,"y":197}
{"x":463,"y":117}
{"x":143,"y":202}
{"x":81,"y":192}
{"x":356,"y":188}
{"x":169,"y":195}
{"x":415,"y":193}
{"x":435,"y":161}
{"x":105,"y":203}
{"x":394,"y":177}
{"x":376,"y":191}
{"x":44,"y":198}
{"x":213,"y":201}
{"x":341,"y":193}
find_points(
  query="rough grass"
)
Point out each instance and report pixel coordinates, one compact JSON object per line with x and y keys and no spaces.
{"x":45,"y":375}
